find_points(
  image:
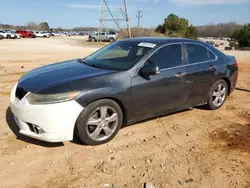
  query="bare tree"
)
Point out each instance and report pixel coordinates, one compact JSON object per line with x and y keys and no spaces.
{"x":32,"y":25}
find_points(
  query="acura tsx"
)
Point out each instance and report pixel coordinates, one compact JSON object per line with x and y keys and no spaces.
{"x":122,"y":83}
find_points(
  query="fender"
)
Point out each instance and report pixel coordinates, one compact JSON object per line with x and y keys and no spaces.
{"x":122,"y":97}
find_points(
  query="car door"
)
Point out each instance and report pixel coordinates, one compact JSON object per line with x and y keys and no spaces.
{"x":165,"y":91}
{"x":102,"y":36}
{"x":201,"y":71}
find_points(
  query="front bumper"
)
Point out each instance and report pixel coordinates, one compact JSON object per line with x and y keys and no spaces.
{"x":56,"y":120}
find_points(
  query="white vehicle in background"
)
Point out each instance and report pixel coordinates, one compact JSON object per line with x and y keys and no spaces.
{"x":66,"y":34}
{"x":18,"y":36}
{"x":56,"y":33}
{"x":42,"y":34}
{"x":8,"y":35}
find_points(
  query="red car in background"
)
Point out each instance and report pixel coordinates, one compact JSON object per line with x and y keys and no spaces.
{"x":25,"y":33}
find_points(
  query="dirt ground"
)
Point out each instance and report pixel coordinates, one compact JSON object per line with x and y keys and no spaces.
{"x":192,"y":148}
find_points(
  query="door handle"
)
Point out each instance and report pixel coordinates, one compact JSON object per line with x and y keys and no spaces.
{"x":212,"y":67}
{"x":180,"y":74}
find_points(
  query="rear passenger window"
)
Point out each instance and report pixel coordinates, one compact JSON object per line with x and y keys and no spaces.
{"x":168,"y":56}
{"x":198,"y":53}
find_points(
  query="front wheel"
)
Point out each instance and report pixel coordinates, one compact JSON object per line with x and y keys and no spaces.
{"x":217,"y":95}
{"x":111,"y":40}
{"x":99,"y":122}
{"x":8,"y":36}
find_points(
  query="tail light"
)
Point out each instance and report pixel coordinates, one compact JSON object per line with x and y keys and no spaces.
{"x":235,"y":63}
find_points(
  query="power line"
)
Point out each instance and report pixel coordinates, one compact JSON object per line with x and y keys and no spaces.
{"x":115,"y":21}
{"x":105,"y":7}
{"x":150,"y":2}
{"x":154,"y":6}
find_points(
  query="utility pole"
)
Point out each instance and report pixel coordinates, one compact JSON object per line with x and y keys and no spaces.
{"x":102,"y":9}
{"x":127,"y":18}
{"x":139,"y":16}
{"x":105,"y":8}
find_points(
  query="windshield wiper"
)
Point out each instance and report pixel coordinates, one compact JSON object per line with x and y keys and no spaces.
{"x":100,"y":66}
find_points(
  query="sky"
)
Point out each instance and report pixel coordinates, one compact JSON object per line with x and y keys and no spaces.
{"x":75,"y":13}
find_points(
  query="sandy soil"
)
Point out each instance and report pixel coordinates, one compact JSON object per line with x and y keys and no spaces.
{"x":192,"y":148}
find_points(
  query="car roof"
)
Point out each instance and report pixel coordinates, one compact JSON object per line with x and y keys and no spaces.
{"x":161,"y":40}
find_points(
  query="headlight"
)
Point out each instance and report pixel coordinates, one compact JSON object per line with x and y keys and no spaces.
{"x":51,"y":98}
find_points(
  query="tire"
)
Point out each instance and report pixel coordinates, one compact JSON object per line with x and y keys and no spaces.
{"x":8,"y":36}
{"x":111,"y":40}
{"x":85,"y":130}
{"x":214,"y":94}
{"x":44,"y":36}
{"x":93,"y":40}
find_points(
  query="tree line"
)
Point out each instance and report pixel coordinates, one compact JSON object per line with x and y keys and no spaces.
{"x":43,"y":26}
{"x":218,"y":30}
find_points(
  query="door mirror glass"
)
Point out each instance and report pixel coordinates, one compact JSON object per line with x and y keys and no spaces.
{"x":150,"y":69}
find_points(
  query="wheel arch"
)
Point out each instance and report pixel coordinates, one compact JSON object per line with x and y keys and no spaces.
{"x":227,"y":80}
{"x":119,"y":102}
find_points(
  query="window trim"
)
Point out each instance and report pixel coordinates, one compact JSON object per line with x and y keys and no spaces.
{"x":141,"y":64}
{"x":200,"y":62}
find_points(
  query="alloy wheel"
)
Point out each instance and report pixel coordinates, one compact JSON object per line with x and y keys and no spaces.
{"x":102,"y":123}
{"x":219,"y":95}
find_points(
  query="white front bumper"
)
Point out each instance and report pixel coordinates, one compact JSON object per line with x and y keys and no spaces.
{"x":56,"y":120}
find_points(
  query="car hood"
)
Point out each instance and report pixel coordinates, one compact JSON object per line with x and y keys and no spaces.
{"x":56,"y":74}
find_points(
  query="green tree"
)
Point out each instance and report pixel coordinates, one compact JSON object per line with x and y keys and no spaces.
{"x":160,"y":29}
{"x":44,"y":26}
{"x":242,"y":36}
{"x":178,"y":27}
{"x":191,"y":32}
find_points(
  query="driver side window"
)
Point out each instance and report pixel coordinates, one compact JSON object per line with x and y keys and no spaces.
{"x":168,"y":56}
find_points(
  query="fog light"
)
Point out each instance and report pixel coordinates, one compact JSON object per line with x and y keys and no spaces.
{"x":37,"y":129}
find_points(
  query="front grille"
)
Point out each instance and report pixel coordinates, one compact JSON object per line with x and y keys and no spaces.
{"x":20,"y":93}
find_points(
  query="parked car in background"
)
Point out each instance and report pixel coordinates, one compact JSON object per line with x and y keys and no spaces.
{"x":18,"y":36}
{"x":51,"y":33}
{"x":83,"y":33}
{"x":25,"y":33}
{"x":125,"y":82}
{"x":42,"y":34}
{"x":8,"y":34}
{"x":55,"y":33}
{"x":66,"y":34}
{"x":211,"y":43}
{"x":110,"y":36}
{"x":1,"y":37}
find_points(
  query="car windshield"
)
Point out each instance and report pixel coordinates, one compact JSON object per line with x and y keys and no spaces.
{"x":119,"y":55}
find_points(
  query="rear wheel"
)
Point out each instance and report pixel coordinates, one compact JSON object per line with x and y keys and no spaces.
{"x":8,"y":36}
{"x":217,"y":95}
{"x":99,"y":122}
{"x":44,"y":36}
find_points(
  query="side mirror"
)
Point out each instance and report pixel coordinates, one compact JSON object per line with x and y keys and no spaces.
{"x":150,"y":69}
